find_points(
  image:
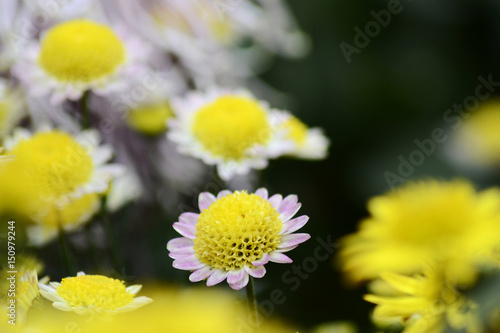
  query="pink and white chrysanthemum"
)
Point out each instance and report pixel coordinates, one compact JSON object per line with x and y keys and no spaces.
{"x":235,"y":235}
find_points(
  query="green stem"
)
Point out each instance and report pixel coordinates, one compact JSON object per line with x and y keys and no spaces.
{"x":92,"y":247}
{"x":109,"y":234}
{"x":85,"y":110}
{"x":252,"y":305}
{"x":63,"y":247}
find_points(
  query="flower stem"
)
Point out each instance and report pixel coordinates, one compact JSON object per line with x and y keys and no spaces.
{"x":92,"y":247}
{"x":63,"y":247}
{"x":85,"y":110}
{"x":109,"y":234}
{"x":252,"y":305}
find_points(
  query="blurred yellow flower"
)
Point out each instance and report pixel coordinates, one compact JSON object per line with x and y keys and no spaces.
{"x":93,"y":294}
{"x":479,"y":137}
{"x":150,"y":119}
{"x":80,"y":51}
{"x":426,"y":303}
{"x":446,"y":222}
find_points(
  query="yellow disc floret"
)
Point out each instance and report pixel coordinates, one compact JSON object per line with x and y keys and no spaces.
{"x":236,"y":230}
{"x":297,"y":130}
{"x":151,"y":118}
{"x":94,"y":291}
{"x":58,"y":164}
{"x":230,"y":126}
{"x":81,"y":51}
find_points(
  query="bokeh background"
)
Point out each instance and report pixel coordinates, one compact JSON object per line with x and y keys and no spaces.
{"x":394,"y":91}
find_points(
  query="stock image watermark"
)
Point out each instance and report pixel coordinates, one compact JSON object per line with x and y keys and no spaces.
{"x":292,"y":280}
{"x":373,"y":28}
{"x":453,"y":117}
{"x":11,"y":272}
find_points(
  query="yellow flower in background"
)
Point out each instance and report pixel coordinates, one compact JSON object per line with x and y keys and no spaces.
{"x":192,"y":310}
{"x":25,"y":280}
{"x":80,"y":51}
{"x":425,"y":303}
{"x":479,"y":137}
{"x":93,"y":294}
{"x":447,"y":222}
{"x":69,"y":217}
{"x":55,"y":179}
{"x":308,"y":143}
{"x":150,"y":119}
{"x":11,"y":107}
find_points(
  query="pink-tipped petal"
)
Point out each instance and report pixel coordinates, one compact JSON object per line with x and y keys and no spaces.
{"x":275,"y":200}
{"x":280,"y":258}
{"x":223,"y":193}
{"x":189,"y":218}
{"x":241,"y":283}
{"x":205,"y":200}
{"x":262,"y":192}
{"x":217,"y":276}
{"x":286,"y":249}
{"x":256,"y":272}
{"x":289,"y":207}
{"x":188,"y":264}
{"x":293,"y":239}
{"x":235,"y":275}
{"x":294,"y":225}
{"x":179,"y":243}
{"x":262,"y":261}
{"x":185,"y":230}
{"x":181,"y":253}
{"x":201,"y":274}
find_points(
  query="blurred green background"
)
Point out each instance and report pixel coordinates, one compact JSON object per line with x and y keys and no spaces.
{"x":394,"y":91}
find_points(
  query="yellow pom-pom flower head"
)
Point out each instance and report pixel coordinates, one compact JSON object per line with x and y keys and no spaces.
{"x":79,"y":55}
{"x":235,"y":235}
{"x":230,"y":129}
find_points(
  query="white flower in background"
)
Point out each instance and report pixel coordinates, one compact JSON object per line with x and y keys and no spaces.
{"x":76,"y":56}
{"x":230,"y":129}
{"x":122,"y":190}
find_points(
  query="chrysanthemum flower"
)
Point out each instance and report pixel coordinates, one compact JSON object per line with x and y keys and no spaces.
{"x":64,"y":177}
{"x":477,"y":141}
{"x":66,"y":166}
{"x":232,"y":130}
{"x":11,"y":108}
{"x":309,"y":143}
{"x":150,"y":119}
{"x":93,"y":294}
{"x":69,"y":217}
{"x":76,"y":56}
{"x":27,"y":292}
{"x":424,"y":303}
{"x":235,"y":235}
{"x":446,"y":222}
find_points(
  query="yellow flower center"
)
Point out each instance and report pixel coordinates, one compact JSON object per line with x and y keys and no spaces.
{"x":81,"y":51}
{"x":96,"y":291}
{"x":150,"y":119}
{"x":54,"y":162}
{"x":230,"y":126}
{"x":74,"y":212}
{"x":297,"y":130}
{"x":236,"y":230}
